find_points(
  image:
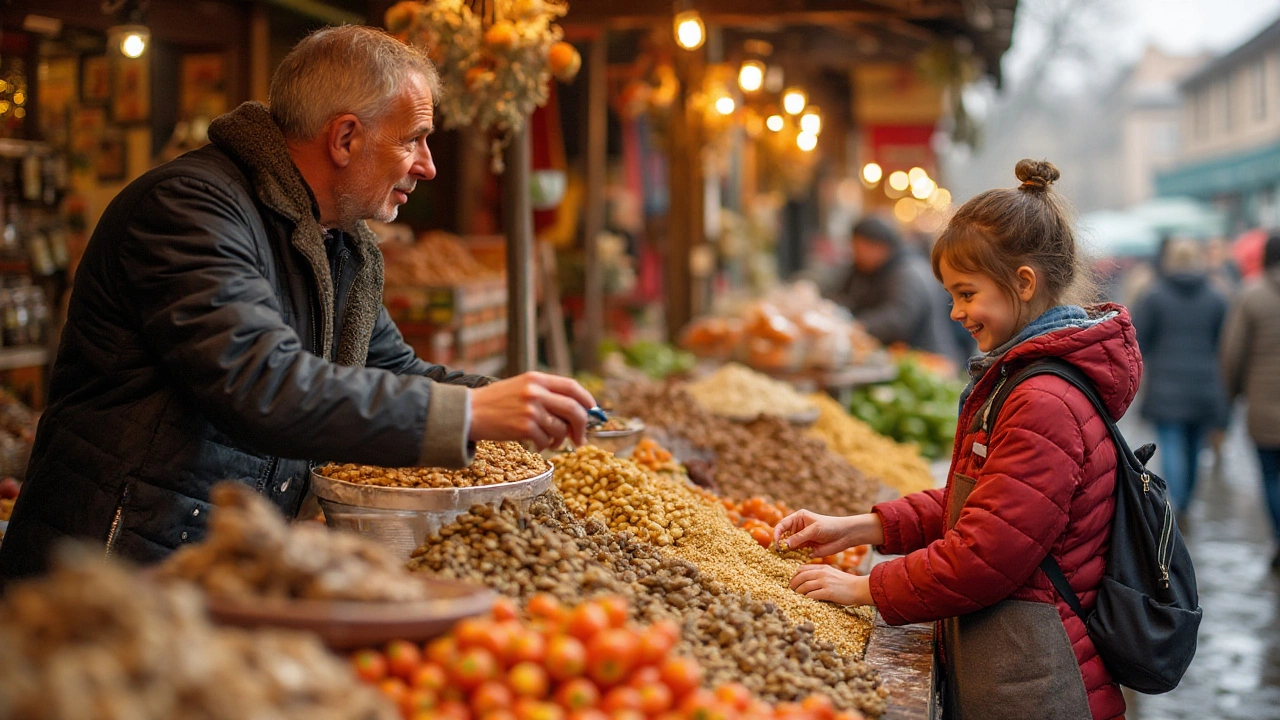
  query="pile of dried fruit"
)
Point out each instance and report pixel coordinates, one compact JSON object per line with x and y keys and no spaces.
{"x":736,"y":636}
{"x":92,"y":640}
{"x":898,"y":466}
{"x":495,"y":462}
{"x":737,"y":391}
{"x":651,"y":456}
{"x":767,"y":457}
{"x":594,"y":482}
{"x":580,"y":662}
{"x":252,"y":552}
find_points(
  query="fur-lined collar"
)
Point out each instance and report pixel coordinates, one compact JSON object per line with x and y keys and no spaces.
{"x":252,"y":139}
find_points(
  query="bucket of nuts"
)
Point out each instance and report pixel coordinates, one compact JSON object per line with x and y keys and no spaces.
{"x":401,"y":507}
{"x":618,"y":435}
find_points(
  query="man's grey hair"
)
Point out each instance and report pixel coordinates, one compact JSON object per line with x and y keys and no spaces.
{"x":347,"y":69}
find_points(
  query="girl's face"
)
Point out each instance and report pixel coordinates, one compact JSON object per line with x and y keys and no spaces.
{"x":982,"y":307}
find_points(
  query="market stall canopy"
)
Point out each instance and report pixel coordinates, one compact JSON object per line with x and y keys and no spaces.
{"x":1112,"y":233}
{"x":986,"y":24}
{"x":1181,"y":216}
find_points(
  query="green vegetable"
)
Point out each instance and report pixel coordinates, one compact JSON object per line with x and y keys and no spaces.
{"x":918,"y":406}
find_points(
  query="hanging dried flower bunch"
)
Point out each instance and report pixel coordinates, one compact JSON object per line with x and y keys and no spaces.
{"x":495,"y":57}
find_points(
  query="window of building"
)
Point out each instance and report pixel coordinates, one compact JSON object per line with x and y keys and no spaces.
{"x":1259,"y":93}
{"x":1200,"y":114}
{"x":1164,"y":138}
{"x":1226,"y":98}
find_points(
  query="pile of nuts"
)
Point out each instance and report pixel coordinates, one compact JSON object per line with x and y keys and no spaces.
{"x":92,"y":640}
{"x":596,"y":483}
{"x":252,"y":552}
{"x":735,"y":636}
{"x":898,"y":466}
{"x":737,"y":391}
{"x":495,"y":462}
{"x":767,"y":457}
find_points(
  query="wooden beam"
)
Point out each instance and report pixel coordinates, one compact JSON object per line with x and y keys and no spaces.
{"x":594,"y":220}
{"x":761,"y":12}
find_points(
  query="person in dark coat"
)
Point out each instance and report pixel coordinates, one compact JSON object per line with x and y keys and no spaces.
{"x":227,"y":323}
{"x":1179,"y":324}
{"x":891,"y":291}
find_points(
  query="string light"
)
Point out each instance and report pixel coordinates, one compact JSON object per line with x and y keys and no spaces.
{"x":690,"y":31}
{"x":751,"y":76}
{"x":872,"y":172}
{"x":794,"y":100}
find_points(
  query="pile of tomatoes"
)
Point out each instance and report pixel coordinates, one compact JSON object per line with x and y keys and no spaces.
{"x":758,"y":516}
{"x":651,"y":456}
{"x":582,"y":663}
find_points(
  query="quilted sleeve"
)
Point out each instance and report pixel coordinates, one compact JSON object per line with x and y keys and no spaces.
{"x":1017,"y":509}
{"x":910,"y":522}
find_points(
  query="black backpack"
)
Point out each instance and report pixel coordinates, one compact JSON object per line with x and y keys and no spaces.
{"x":1147,"y":613}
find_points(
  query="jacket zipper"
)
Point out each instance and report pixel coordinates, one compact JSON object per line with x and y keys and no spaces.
{"x":114,"y":531}
{"x":1165,"y":552}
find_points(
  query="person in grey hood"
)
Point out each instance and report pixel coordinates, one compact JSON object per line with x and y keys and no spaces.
{"x":1251,"y":367}
{"x":892,"y":292}
{"x":227,"y":323}
{"x":1179,"y":325}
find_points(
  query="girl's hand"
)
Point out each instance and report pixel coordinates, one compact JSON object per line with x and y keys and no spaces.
{"x":823,"y":582}
{"x":827,"y":535}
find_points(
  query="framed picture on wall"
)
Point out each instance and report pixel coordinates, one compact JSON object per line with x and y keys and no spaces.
{"x":87,"y":126}
{"x":96,"y":80}
{"x":132,"y":99}
{"x":204,"y":85}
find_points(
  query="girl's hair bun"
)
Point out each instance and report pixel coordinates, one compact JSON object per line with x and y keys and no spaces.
{"x":1036,"y":175}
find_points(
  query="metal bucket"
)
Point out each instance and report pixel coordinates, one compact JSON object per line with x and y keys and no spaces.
{"x":403,"y":518}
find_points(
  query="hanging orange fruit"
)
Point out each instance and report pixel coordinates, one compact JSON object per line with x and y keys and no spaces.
{"x":564,"y":61}
{"x":401,"y":17}
{"x":502,"y":36}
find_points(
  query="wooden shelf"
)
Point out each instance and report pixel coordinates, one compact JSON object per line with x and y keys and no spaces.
{"x":23,"y":356}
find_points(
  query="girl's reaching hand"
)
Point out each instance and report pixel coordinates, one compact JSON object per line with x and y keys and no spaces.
{"x":825,"y":534}
{"x":823,"y":582}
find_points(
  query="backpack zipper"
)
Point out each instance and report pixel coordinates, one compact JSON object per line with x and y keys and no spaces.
{"x":1146,"y":482}
{"x":1165,"y":552}
{"x":115,"y":521}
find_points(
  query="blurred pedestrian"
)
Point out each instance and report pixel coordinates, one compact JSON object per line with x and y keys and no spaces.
{"x":1251,"y":367}
{"x":1179,"y":325}
{"x":891,"y":291}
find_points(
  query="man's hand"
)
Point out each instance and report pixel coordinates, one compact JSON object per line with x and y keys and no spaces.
{"x":826,"y":534}
{"x":823,"y":582}
{"x":538,"y":407}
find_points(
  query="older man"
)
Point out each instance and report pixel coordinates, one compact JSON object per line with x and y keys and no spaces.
{"x":226,"y":321}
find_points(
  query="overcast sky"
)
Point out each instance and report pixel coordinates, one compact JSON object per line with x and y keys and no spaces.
{"x":1188,"y":26}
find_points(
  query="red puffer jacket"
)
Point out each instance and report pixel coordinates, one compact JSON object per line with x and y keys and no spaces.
{"x":1045,"y":487}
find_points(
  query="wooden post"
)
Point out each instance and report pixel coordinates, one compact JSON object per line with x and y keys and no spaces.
{"x":522,"y":347}
{"x":593,"y":222}
{"x":685,"y":221}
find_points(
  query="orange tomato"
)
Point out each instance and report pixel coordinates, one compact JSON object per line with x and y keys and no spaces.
{"x":504,"y":608}
{"x":735,"y":695}
{"x":528,"y":680}
{"x":621,"y":698}
{"x":763,"y":536}
{"x":497,"y":639}
{"x":417,"y":701}
{"x":656,"y":698}
{"x":526,"y":644}
{"x":587,"y":714}
{"x":499,"y":714}
{"x":586,"y":620}
{"x":452,"y":710}
{"x":403,"y":659}
{"x":370,"y":665}
{"x":471,"y":632}
{"x":848,"y":715}
{"x":681,"y":674}
{"x":473,"y":667}
{"x":528,"y":709}
{"x":442,"y":650}
{"x":546,"y":606}
{"x":616,"y":608}
{"x":491,"y":695}
{"x":644,"y":676}
{"x":429,"y":676}
{"x":611,"y":656}
{"x":395,"y":689}
{"x":820,"y":706}
{"x":656,"y":641}
{"x":566,"y":657}
{"x":578,"y":693}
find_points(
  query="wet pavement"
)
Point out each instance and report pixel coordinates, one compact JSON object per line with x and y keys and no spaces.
{"x":1236,"y":671}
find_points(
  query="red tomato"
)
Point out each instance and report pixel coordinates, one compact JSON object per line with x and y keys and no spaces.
{"x":497,"y":639}
{"x":504,"y":608}
{"x":735,"y":695}
{"x":429,"y":676}
{"x":417,"y":701}
{"x":370,"y":665}
{"x":617,"y":608}
{"x":586,"y":620}
{"x":528,"y":680}
{"x":848,"y":715}
{"x":403,"y":659}
{"x":627,"y":714}
{"x":682,"y":675}
{"x":820,"y":706}
{"x":491,"y":695}
{"x":395,"y":689}
{"x":472,"y":668}
{"x":452,"y":710}
{"x":546,"y":606}
{"x":442,"y":650}
{"x":566,"y":657}
{"x":621,"y":698}
{"x":578,"y":693}
{"x":527,"y":709}
{"x":644,"y":676}
{"x":526,"y":644}
{"x":656,"y":698}
{"x":611,"y":656}
{"x":471,"y":632}
{"x":499,"y":714}
{"x":587,"y":714}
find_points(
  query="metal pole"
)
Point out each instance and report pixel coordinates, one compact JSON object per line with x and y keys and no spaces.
{"x":522,"y":341}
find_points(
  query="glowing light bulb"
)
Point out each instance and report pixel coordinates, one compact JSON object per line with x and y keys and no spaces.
{"x":916,"y":174}
{"x":725,"y":105}
{"x":807,"y":141}
{"x":794,"y":100}
{"x":811,"y":121}
{"x":774,"y":123}
{"x":690,"y":32}
{"x":923,"y":188}
{"x":133,"y":45}
{"x":751,"y":76}
{"x":872,"y":172}
{"x":898,"y":180}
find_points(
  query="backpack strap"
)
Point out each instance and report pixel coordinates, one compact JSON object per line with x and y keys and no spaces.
{"x":1074,"y":376}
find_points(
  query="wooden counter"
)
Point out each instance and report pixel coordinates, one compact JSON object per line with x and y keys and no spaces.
{"x":904,"y":657}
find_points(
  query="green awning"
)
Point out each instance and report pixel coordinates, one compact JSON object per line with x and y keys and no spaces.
{"x":1240,"y":172}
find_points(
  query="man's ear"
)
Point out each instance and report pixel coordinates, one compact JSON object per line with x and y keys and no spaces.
{"x":345,"y":138}
{"x":1027,"y":282}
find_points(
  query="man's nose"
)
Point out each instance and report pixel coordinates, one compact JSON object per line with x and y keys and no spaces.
{"x":424,"y":167}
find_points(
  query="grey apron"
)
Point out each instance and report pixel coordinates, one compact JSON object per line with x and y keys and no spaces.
{"x":1012,"y":660}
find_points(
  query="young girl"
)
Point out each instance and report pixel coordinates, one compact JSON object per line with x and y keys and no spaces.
{"x":1041,"y":484}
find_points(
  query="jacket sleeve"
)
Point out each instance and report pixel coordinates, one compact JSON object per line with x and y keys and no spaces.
{"x":1016,"y":511}
{"x":1233,"y":350}
{"x":389,"y":351}
{"x":208,"y":311}
{"x":910,"y":522}
{"x":904,"y":307}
